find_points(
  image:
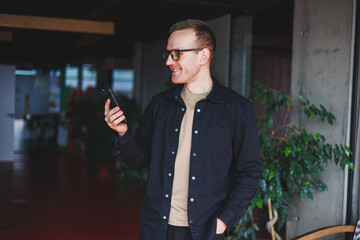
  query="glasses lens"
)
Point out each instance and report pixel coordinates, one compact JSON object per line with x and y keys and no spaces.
{"x":175,"y":54}
{"x":165,"y":54}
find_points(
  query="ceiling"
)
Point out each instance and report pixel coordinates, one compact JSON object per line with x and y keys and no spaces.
{"x":137,"y":20}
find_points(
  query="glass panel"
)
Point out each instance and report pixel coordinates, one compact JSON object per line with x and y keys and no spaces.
{"x":26,"y":72}
{"x":123,"y":81}
{"x":89,"y":77}
{"x":71,"y":76}
{"x":54,"y":91}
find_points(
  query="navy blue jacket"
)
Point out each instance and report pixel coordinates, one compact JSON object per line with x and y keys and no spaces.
{"x":225,"y":163}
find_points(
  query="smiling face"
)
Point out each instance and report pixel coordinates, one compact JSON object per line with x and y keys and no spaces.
{"x":187,"y":68}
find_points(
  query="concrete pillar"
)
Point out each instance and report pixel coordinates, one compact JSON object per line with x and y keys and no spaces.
{"x":220,"y":63}
{"x":240,"y":70}
{"x":321,"y":71}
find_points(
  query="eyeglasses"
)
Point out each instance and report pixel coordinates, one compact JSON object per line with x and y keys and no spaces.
{"x":175,"y":53}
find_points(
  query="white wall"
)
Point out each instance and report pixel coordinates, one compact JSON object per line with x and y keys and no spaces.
{"x":7,"y":108}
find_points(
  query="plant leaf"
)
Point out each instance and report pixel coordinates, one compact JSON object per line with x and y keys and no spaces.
{"x":287,"y":151}
{"x":302,"y":98}
{"x":259,"y":204}
{"x":271,"y":175}
{"x":348,"y":149}
{"x":351,"y":165}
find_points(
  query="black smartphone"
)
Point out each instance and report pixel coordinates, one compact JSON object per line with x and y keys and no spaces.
{"x":108,"y":94}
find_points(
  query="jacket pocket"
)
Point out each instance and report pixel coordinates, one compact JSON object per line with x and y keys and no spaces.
{"x":219,"y":236}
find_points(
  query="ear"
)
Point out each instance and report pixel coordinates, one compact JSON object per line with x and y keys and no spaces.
{"x":204,"y":56}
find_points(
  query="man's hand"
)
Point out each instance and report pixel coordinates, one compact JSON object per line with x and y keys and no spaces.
{"x":220,"y":226}
{"x":114,"y":117}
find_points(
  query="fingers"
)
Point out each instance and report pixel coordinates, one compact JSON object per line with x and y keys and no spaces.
{"x":115,"y":116}
{"x":118,"y":120}
{"x":111,"y":112}
{"x":107,"y":106}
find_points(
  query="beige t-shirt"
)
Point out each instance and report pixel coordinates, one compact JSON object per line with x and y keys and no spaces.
{"x":178,"y":210}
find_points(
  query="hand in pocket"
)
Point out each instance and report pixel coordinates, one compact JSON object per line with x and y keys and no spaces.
{"x":220,"y":226}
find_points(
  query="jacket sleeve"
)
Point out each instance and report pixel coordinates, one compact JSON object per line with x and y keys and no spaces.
{"x":134,"y":150}
{"x":247,"y":167}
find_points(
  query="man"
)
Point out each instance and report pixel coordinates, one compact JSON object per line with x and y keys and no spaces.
{"x":199,"y":142}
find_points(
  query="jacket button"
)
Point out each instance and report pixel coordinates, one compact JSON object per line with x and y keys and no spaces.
{"x":193,"y":177}
{"x":196,"y":131}
{"x":198,"y":110}
{"x":176,"y":130}
{"x":164,"y":217}
{"x":169,"y":174}
{"x":191,"y":199}
{"x":194,"y":154}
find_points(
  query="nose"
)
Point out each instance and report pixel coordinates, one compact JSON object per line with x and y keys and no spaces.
{"x":169,"y":60}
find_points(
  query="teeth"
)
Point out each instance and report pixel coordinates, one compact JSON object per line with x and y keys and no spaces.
{"x":176,"y":70}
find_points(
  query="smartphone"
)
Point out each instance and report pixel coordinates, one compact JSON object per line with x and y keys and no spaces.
{"x":108,"y":94}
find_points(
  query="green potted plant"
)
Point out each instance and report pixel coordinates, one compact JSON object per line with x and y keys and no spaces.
{"x":293,"y":158}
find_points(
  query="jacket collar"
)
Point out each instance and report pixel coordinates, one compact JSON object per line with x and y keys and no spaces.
{"x":216,"y":95}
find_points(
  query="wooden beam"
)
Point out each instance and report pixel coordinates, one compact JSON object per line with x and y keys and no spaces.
{"x":5,"y":36}
{"x":56,"y":24}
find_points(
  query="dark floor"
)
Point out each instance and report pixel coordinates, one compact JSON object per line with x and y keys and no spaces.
{"x":50,"y":196}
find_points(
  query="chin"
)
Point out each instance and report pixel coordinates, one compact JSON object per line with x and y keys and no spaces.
{"x":176,"y":81}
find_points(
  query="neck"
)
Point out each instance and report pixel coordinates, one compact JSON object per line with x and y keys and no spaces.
{"x":201,"y":84}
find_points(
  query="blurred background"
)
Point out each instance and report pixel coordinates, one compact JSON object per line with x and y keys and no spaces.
{"x":60,"y":59}
{"x":59,"y":175}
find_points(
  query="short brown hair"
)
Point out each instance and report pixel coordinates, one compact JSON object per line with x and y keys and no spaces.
{"x":205,"y":36}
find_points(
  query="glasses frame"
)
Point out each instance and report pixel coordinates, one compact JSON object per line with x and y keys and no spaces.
{"x":166,"y":53}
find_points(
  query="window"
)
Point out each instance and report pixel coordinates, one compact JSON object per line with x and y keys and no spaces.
{"x":89,"y":76}
{"x":71,"y":76}
{"x":26,"y":72}
{"x":123,"y":81}
{"x":54,"y":91}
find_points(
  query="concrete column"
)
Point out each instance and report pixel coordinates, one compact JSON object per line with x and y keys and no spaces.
{"x":241,"y":38}
{"x":321,"y":71}
{"x":220,"y":63}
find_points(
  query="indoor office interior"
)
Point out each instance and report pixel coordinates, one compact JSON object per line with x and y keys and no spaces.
{"x":60,"y":176}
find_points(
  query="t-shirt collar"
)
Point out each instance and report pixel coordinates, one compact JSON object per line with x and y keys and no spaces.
{"x":215,"y":94}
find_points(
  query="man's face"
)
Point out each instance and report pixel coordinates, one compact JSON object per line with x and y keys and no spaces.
{"x":186,"y":69}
